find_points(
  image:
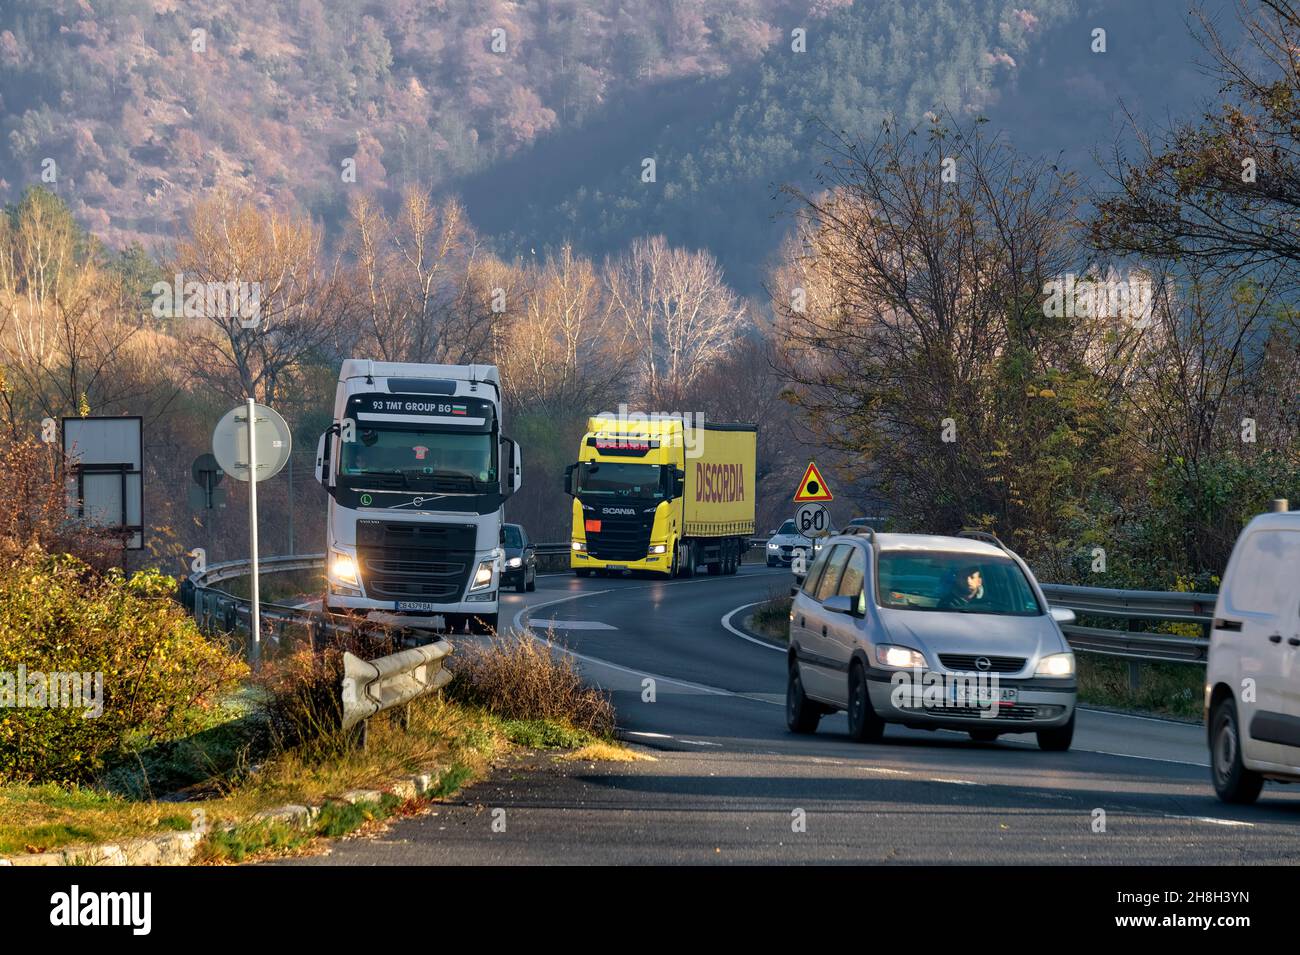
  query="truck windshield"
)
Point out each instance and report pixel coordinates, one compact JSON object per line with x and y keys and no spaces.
{"x":441,"y":460}
{"x":619,"y":480}
{"x":954,"y":582}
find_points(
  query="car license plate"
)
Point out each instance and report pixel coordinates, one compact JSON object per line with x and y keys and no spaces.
{"x":963,"y":695}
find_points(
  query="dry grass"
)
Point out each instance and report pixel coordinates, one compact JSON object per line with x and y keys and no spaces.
{"x":518,"y":678}
{"x":603,"y":752}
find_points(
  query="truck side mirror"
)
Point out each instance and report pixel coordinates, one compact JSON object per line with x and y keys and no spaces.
{"x":679,"y":482}
{"x":513,"y":469}
{"x":323,"y":459}
{"x":568,"y":479}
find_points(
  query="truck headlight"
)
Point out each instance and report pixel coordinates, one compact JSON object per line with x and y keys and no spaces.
{"x":900,"y":658}
{"x":659,"y":549}
{"x":343,"y":569}
{"x":1056,"y":664}
{"x":483,"y":576}
{"x":579,"y":545}
{"x":515,"y":562}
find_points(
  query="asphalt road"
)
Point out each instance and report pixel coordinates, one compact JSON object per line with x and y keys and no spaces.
{"x":728,"y":783}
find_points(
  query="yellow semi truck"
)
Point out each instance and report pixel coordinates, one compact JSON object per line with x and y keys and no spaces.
{"x":661,"y":495}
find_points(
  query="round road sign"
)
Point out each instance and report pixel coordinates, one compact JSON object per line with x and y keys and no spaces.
{"x":271,"y":434}
{"x":204,"y":465}
{"x":812,"y":520}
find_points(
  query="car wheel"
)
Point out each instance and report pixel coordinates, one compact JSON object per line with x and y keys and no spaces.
{"x":864,"y":725}
{"x":801,"y":714}
{"x":582,"y":571}
{"x":1233,"y":782}
{"x":772,"y":563}
{"x":1058,"y":739}
{"x":984,"y":736}
{"x":522,"y":586}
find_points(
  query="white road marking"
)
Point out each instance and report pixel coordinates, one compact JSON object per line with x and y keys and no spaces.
{"x":698,"y":742}
{"x":885,"y":771}
{"x":1211,"y":820}
{"x":1154,"y":759}
{"x":648,"y":735}
{"x":575,"y":624}
{"x":954,"y":782}
{"x":726,"y":622}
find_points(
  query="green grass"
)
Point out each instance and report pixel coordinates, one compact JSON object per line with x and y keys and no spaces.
{"x":48,"y":816}
{"x":545,"y":734}
{"x":1164,"y":689}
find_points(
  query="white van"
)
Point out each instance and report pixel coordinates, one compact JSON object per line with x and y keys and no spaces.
{"x":1252,"y":684}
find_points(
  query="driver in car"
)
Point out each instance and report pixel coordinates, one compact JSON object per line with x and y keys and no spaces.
{"x":966,"y":590}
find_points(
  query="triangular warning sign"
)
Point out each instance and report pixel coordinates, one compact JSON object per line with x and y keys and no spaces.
{"x":812,"y":487}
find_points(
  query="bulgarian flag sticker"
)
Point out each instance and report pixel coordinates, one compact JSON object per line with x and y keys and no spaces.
{"x":459,"y":409}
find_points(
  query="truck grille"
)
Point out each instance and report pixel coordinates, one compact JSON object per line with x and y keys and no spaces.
{"x":404,"y":561}
{"x":621,"y":536}
{"x":965,"y":663}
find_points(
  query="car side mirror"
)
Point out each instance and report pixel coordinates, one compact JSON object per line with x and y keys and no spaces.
{"x":1063,"y":615}
{"x":839,"y":604}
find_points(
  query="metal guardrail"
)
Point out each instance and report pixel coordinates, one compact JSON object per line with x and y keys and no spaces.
{"x":372,"y":686}
{"x":1136,"y":608}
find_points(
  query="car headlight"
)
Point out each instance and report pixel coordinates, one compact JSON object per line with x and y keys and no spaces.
{"x":659,"y":549}
{"x":1056,"y":664}
{"x":343,"y":569}
{"x":483,"y":576}
{"x":579,"y":545}
{"x":515,"y":562}
{"x":773,"y":546}
{"x":900,"y":658}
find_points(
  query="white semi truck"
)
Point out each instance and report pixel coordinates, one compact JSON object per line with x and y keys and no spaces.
{"x":417,"y":470}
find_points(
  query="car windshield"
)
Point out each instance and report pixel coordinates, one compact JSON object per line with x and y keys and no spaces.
{"x":954,"y":582}
{"x":446,"y":461}
{"x":512,"y":536}
{"x":787,"y":528}
{"x":619,"y":480}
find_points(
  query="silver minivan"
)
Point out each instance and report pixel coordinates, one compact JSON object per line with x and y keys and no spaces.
{"x":1252,"y":681}
{"x":928,"y":632}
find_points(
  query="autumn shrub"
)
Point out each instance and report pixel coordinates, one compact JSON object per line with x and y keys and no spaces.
{"x":161,"y":678}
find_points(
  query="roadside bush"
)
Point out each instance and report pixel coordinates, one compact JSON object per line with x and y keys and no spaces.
{"x":518,"y":678}
{"x":161,"y":678}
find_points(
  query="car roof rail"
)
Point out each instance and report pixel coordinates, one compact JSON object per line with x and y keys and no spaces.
{"x":986,"y":537}
{"x":864,"y":530}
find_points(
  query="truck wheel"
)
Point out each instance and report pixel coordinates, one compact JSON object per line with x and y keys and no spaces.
{"x":689,"y":569}
{"x":582,"y":571}
{"x":734,"y":567}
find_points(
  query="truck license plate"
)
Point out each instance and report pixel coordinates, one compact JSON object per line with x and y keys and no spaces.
{"x":416,"y":606}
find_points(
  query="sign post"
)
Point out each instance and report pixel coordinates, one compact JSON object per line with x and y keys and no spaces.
{"x":252,"y":454}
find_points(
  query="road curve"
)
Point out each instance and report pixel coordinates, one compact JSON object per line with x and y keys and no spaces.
{"x":729,"y":783}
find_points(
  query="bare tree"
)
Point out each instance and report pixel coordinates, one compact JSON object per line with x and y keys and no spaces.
{"x":420,"y":292}
{"x":232,"y":352}
{"x":679,"y":314}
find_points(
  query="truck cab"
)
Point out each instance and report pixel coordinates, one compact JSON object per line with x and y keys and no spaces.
{"x":417,"y":470}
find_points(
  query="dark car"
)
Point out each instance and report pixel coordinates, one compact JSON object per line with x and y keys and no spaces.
{"x":519,"y":569}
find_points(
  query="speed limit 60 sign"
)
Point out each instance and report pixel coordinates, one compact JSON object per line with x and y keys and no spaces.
{"x":812,"y":520}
